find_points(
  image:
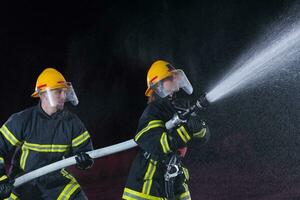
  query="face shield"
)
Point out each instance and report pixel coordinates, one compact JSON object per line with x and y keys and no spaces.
{"x":58,"y":96}
{"x":173,"y":83}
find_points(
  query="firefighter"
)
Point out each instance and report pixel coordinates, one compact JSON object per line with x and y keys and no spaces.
{"x":41,"y":135}
{"x":157,"y":171}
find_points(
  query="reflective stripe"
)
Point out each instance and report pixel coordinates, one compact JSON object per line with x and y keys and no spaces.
{"x":1,"y":160}
{"x":148,"y":176}
{"x":12,"y":197}
{"x":129,"y":194}
{"x":201,"y":133}
{"x":80,"y":139}
{"x":24,"y":156}
{"x":186,"y":173}
{"x":9,"y":136}
{"x":186,"y":187}
{"x":70,"y":188}
{"x":185,"y":196}
{"x":46,"y":147}
{"x":151,"y":124}
{"x":183,"y":134}
{"x":164,"y":143}
{"x":3,"y":177}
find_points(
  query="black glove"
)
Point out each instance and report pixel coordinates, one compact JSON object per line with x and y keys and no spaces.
{"x":84,"y":161}
{"x":181,"y":106}
{"x":197,"y":128}
{"x":6,"y":188}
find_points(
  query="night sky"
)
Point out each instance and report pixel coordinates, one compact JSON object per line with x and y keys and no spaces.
{"x":105,"y":50}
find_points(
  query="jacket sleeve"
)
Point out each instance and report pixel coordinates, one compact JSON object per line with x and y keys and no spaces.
{"x":152,"y":135}
{"x":10,"y":137}
{"x":81,"y":139}
{"x":204,"y":133}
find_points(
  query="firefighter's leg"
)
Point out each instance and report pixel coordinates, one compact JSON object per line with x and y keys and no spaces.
{"x":181,"y":186}
{"x":72,"y":190}
{"x":12,"y":196}
{"x":26,"y":192}
{"x":63,"y":186}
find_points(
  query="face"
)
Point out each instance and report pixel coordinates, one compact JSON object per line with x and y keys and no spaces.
{"x":55,"y":98}
{"x":169,"y":86}
{"x":59,"y":97}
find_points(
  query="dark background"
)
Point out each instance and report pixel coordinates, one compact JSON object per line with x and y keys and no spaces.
{"x":105,"y":49}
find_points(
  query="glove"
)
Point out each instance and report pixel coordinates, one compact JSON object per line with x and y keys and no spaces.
{"x":181,"y":106}
{"x":83,"y":161}
{"x":196,"y":127}
{"x":6,"y":188}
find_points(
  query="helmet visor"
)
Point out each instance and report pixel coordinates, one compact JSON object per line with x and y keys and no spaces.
{"x":59,"y":96}
{"x":173,"y":83}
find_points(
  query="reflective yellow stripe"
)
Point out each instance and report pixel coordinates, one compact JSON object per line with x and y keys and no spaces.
{"x":183,"y":134}
{"x":67,"y":174}
{"x":3,"y":177}
{"x":201,"y":133}
{"x":186,"y":187}
{"x":151,"y":124}
{"x":185,"y":196}
{"x":12,"y":197}
{"x":1,"y":160}
{"x":148,"y":177}
{"x":9,"y":136}
{"x":68,"y":191}
{"x":129,"y":194}
{"x":164,"y":143}
{"x":187,"y":136}
{"x":70,"y":188}
{"x":46,"y":147}
{"x":80,"y":139}
{"x":186,"y":173}
{"x":24,"y":156}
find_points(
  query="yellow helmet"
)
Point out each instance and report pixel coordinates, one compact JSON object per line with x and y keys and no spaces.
{"x":158,"y":71}
{"x":50,"y":78}
{"x":164,"y":79}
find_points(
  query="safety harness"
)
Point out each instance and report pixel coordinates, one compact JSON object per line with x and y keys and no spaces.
{"x":173,"y":169}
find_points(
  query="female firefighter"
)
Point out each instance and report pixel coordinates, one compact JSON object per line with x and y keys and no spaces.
{"x":44,"y":134}
{"x":157,"y":171}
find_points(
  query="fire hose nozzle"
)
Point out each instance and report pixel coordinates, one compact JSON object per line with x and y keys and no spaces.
{"x":202,"y":102}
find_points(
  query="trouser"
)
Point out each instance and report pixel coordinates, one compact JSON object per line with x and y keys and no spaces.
{"x":60,"y":186}
{"x":157,"y":192}
{"x":29,"y":193}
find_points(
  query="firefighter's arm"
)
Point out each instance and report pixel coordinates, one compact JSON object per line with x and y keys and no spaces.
{"x":5,"y":185}
{"x":152,"y":135}
{"x":198,"y":128}
{"x":194,"y":129}
{"x":10,"y":137}
{"x":81,"y":143}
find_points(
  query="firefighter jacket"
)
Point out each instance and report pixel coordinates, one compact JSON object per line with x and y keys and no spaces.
{"x":42,"y":140}
{"x":146,"y":176}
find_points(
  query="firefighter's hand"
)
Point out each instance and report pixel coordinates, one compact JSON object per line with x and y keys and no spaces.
{"x":6,"y":188}
{"x":196,"y":127}
{"x":83,"y":161}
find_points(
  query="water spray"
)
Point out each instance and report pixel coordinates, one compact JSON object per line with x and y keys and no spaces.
{"x":267,"y":57}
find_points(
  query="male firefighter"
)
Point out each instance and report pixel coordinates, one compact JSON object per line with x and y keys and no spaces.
{"x":157,"y":171}
{"x":44,"y":134}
